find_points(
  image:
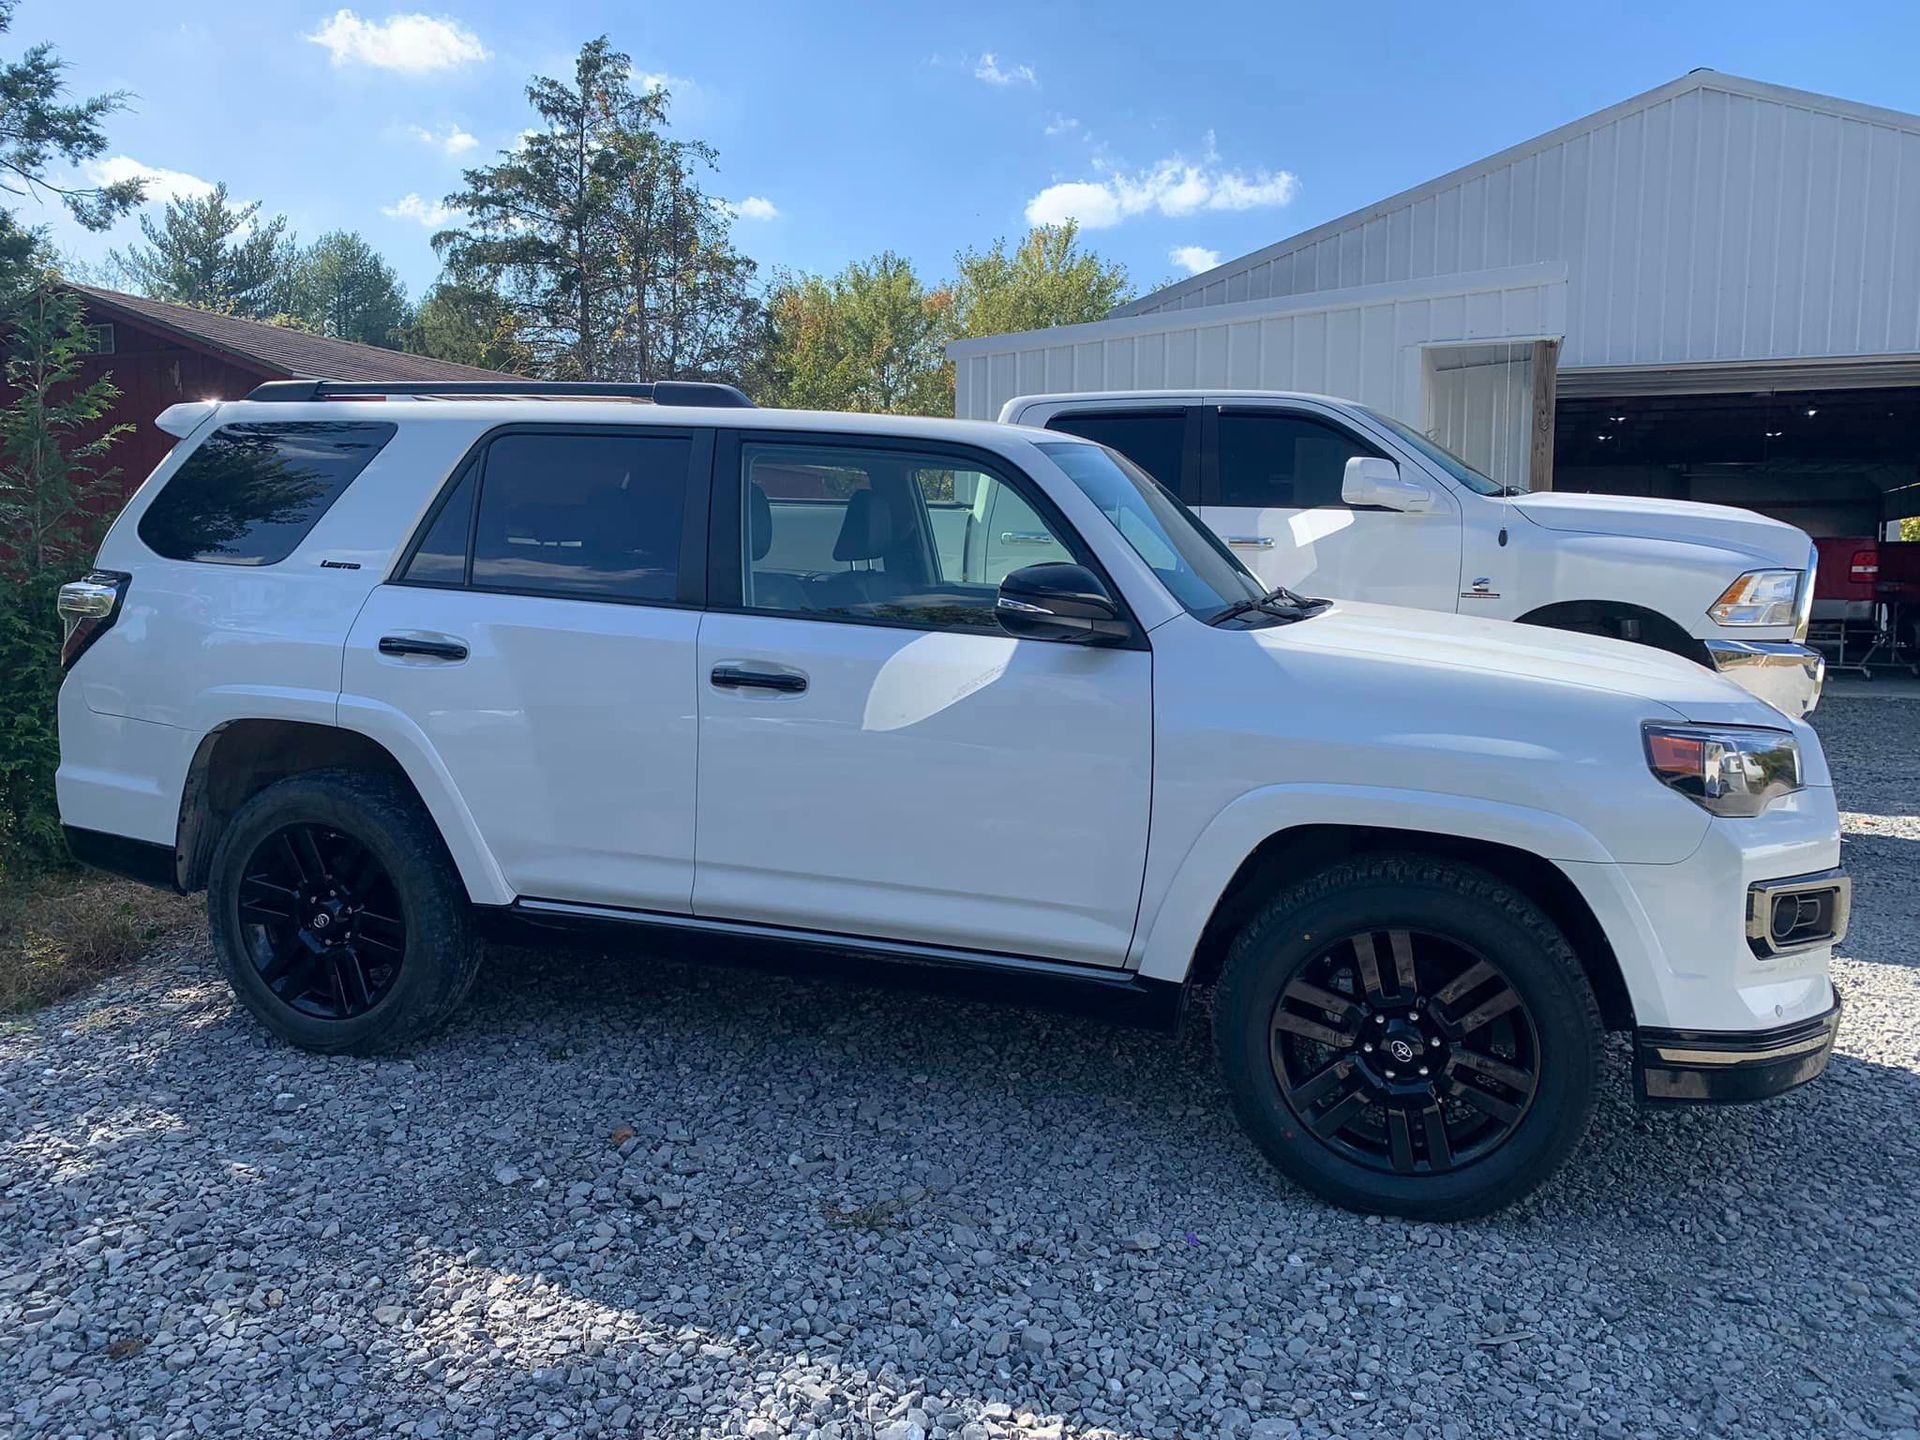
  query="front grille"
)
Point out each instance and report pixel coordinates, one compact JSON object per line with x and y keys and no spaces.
{"x":1798,"y":913}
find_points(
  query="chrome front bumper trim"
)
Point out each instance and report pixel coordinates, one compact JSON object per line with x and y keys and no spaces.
{"x":1785,"y":675}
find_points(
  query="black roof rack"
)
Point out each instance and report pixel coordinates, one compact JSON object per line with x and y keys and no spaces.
{"x":660,"y":392}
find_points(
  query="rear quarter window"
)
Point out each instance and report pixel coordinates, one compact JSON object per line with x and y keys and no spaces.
{"x":251,"y":493}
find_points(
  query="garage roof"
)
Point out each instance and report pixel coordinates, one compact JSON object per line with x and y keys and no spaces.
{"x":277,"y":349}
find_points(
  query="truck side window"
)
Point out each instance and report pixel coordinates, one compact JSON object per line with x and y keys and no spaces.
{"x":1274,"y":459}
{"x":1155,"y":440}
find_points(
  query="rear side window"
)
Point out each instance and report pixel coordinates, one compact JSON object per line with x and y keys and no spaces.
{"x":250,"y":493}
{"x":1155,"y":440}
{"x":576,"y":515}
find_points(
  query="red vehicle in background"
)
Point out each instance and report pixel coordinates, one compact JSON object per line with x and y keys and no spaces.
{"x":1866,"y":603}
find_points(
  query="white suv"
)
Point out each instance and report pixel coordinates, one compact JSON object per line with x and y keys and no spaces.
{"x":1333,"y":498}
{"x":384,"y":672}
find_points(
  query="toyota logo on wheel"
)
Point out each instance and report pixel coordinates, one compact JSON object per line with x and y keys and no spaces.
{"x":1400,"y":1050}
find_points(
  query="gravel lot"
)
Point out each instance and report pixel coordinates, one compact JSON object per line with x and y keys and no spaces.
{"x":642,"y":1198}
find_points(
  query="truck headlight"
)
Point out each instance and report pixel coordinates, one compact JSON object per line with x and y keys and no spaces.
{"x":1728,"y":769}
{"x":1760,"y":597}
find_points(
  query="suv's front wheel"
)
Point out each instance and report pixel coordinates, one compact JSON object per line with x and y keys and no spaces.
{"x":1409,"y":1035}
{"x":337,"y":914}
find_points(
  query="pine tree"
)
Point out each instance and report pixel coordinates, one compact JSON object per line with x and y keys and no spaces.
{"x":213,"y":255}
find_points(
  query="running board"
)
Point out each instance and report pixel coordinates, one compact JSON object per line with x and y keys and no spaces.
{"x":1117,"y":995}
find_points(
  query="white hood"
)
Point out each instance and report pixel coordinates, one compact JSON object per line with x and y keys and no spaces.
{"x":1772,"y":542}
{"x":1552,"y":657}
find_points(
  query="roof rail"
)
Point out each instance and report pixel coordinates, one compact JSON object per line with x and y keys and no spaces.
{"x":660,"y":392}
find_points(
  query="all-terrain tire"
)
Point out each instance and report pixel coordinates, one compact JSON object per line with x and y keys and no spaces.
{"x":441,"y":955}
{"x":1464,"y":906}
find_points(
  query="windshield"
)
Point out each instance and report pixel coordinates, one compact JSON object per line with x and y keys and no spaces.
{"x":1190,"y":561}
{"x":1443,"y":457}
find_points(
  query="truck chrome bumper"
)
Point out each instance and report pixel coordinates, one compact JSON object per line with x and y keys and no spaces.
{"x":1709,"y":1067}
{"x":1785,"y":675}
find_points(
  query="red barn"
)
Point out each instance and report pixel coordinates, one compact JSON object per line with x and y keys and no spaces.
{"x":160,"y":354}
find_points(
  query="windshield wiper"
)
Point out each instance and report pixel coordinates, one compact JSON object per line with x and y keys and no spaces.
{"x":1279,"y":602}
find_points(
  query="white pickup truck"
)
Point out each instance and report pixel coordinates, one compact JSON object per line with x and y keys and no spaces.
{"x":1331,"y":498}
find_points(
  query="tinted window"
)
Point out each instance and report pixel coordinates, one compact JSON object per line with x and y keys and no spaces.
{"x":1273,"y":458}
{"x":842,"y":532}
{"x":250,"y":493}
{"x":1156,"y":441}
{"x":442,"y":556}
{"x":1191,"y":562}
{"x":593,"y":516}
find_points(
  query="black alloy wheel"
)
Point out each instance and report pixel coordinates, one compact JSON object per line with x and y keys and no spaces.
{"x":1405,"y":1051}
{"x":322,"y":922}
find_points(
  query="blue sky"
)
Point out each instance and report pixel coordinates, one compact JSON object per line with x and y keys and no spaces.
{"x":1176,"y":135}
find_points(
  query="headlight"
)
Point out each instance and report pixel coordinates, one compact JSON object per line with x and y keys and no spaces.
{"x":1760,"y":597}
{"x":1728,"y":769}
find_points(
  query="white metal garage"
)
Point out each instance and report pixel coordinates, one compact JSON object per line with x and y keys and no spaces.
{"x":1716,"y":237}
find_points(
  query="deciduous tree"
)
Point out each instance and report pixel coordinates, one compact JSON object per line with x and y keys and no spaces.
{"x":870,"y":338}
{"x":1048,"y":279}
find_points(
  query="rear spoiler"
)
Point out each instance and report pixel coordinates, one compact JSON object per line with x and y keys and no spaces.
{"x":188,"y":416}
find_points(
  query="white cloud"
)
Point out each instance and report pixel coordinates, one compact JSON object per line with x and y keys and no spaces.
{"x":414,"y":44}
{"x":1062,"y":125}
{"x":989,"y":69}
{"x":755,"y":207}
{"x":1172,"y":187}
{"x":1194,"y":258}
{"x":651,"y":80}
{"x":452,"y":140}
{"x":430,"y":213}
{"x":161,"y":184}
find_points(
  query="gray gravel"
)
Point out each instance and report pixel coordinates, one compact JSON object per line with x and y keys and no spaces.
{"x":641,"y":1198}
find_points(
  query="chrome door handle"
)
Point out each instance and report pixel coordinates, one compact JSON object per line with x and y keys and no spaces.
{"x":1025,"y":537}
{"x":422,"y":646}
{"x":1250,"y":542}
{"x":739,"y":677}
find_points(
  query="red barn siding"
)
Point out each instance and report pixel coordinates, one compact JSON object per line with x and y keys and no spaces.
{"x":155,"y":370}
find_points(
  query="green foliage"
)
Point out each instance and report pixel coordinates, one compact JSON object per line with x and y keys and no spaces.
{"x":470,"y":324}
{"x":870,"y":338}
{"x":38,"y":126}
{"x":874,"y":336}
{"x":213,"y":255}
{"x":1910,"y":528}
{"x":1048,"y":280}
{"x":596,"y":232}
{"x":53,"y":436}
{"x":339,"y":286}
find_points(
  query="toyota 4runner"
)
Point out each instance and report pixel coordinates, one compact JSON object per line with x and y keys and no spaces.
{"x":385,"y":671}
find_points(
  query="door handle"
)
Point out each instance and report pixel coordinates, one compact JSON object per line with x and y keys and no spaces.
{"x":739,"y":677}
{"x":1250,"y":542}
{"x":423,"y":646}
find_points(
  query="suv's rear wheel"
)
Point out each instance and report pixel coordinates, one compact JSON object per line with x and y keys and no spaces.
{"x":337,"y":915}
{"x":1409,"y":1036}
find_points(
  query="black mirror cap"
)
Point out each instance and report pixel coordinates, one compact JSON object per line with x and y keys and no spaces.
{"x":1059,"y":601}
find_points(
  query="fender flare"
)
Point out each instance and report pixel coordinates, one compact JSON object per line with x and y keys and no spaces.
{"x":408,"y":744}
{"x":1170,"y":931}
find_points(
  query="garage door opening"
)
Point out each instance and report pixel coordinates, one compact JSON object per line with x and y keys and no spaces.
{"x":1833,"y":462}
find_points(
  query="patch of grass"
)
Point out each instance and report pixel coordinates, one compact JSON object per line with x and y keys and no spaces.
{"x":62,"y":931}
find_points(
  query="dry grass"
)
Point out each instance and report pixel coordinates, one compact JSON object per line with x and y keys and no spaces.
{"x":60,"y":933}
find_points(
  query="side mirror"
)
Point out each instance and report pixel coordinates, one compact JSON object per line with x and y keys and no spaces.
{"x":1055,"y":601}
{"x":1369,"y":480}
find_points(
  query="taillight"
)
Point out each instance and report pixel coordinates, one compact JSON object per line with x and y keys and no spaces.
{"x":1865,"y":566}
{"x":88,"y":608}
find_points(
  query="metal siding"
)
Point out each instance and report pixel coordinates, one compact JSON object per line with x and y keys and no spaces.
{"x":1708,"y":225}
{"x":1364,"y":344}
